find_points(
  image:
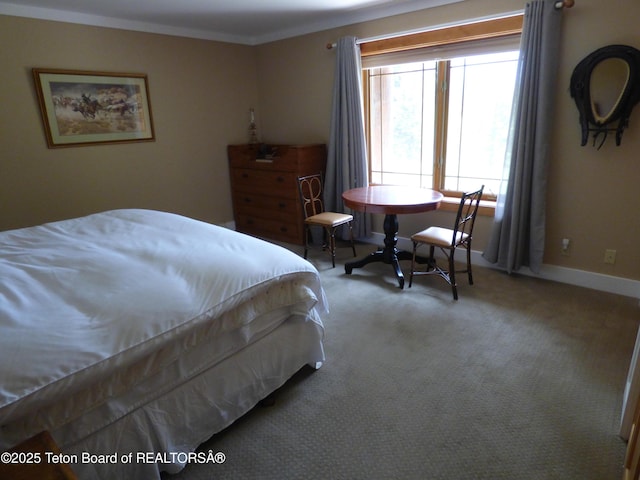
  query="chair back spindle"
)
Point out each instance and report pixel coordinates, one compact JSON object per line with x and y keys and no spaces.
{"x":466,"y":216}
{"x":311,"y":194}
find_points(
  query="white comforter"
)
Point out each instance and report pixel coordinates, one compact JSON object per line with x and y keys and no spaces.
{"x":83,"y":299}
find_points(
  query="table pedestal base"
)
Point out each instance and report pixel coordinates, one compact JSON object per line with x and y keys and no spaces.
{"x":388,"y":254}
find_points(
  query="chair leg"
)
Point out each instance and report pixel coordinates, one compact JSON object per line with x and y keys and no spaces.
{"x":413,"y":263}
{"x":307,"y":232}
{"x":432,"y":259}
{"x":469,"y":273}
{"x":452,"y":274}
{"x":353,"y":245}
{"x":332,"y":246}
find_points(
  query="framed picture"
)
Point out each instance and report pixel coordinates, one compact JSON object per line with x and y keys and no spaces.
{"x":88,"y":108}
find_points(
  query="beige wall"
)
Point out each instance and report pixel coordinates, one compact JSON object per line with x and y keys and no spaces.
{"x":201,"y":92}
{"x":592,"y":194}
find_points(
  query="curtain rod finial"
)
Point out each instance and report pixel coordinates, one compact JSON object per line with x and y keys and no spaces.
{"x":330,"y":46}
{"x":565,"y":4}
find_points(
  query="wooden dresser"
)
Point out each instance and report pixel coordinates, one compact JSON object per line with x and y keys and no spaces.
{"x":266,"y":202}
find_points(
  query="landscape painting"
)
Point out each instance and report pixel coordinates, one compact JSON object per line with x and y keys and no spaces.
{"x":80,"y":108}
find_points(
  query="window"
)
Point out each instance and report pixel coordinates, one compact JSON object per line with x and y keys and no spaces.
{"x":438,"y":117}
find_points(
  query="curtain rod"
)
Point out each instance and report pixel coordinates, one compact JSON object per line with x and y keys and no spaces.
{"x":558,"y":5}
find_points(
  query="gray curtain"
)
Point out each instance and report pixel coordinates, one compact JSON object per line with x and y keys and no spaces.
{"x":347,"y":153}
{"x":518,"y":234}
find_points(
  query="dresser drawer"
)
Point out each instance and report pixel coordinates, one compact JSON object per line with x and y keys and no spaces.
{"x":261,"y":182}
{"x":263,"y":206}
{"x":270,"y":228}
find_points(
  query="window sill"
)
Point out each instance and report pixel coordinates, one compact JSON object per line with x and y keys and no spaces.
{"x":451,"y":204}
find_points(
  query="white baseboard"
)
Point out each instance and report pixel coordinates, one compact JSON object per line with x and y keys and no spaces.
{"x":582,"y":278}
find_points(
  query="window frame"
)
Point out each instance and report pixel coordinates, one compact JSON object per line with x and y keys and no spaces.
{"x":461,"y":36}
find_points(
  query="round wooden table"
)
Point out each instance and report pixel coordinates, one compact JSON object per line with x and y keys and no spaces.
{"x":390,"y":200}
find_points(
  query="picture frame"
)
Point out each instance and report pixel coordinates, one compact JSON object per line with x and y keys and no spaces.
{"x":90,"y":108}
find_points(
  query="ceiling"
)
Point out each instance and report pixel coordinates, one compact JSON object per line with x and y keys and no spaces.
{"x":249,"y":22}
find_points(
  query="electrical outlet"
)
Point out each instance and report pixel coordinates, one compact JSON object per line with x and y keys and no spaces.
{"x":610,"y":256}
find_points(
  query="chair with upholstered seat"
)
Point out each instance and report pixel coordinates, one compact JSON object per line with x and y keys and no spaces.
{"x":448,"y":240}
{"x":311,"y":191}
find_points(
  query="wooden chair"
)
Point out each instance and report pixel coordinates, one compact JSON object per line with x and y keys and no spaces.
{"x":311,"y":191}
{"x":448,"y":240}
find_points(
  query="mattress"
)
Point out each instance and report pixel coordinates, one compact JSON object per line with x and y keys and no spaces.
{"x":102,"y":316}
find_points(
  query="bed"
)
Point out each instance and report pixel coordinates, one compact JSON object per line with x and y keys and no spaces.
{"x":135,"y":330}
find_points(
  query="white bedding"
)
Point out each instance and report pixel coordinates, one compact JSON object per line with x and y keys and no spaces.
{"x":91,"y":308}
{"x":205,"y":404}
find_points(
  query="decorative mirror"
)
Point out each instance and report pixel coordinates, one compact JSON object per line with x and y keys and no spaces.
{"x":605,"y":87}
{"x":608,"y":82}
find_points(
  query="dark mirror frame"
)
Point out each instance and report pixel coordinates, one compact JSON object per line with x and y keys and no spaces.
{"x":617,"y":119}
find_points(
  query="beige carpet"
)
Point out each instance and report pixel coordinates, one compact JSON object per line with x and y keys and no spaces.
{"x":519,"y":379}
